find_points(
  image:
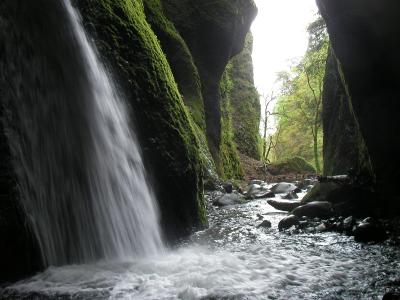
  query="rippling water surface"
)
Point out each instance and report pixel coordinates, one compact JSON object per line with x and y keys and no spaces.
{"x":233,"y":259}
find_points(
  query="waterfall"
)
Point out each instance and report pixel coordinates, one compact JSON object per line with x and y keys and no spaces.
{"x":79,"y":164}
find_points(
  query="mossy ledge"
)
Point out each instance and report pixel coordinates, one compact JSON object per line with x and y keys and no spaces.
{"x":131,"y":49}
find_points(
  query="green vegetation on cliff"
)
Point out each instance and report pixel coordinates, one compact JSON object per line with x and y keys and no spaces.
{"x":229,"y":165}
{"x":129,"y":45}
{"x":245,"y":102}
{"x":179,"y":58}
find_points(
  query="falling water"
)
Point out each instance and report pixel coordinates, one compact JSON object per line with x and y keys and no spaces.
{"x":81,"y":172}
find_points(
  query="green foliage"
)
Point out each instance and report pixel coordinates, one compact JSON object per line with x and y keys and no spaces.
{"x":229,"y":165}
{"x":299,"y":105}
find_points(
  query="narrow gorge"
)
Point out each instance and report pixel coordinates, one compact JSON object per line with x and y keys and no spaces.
{"x":132,"y":156}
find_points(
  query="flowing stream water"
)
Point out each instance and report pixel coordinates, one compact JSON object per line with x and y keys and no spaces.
{"x":233,"y":259}
{"x":98,"y":228}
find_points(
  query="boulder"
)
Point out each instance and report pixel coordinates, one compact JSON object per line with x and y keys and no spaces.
{"x":256,"y":181}
{"x":321,"y":228}
{"x":285,"y":205}
{"x":265,"y":224}
{"x":291,"y":196}
{"x":369,"y":232}
{"x":315,"y":209}
{"x":283,"y":188}
{"x":256,"y":191}
{"x":288,"y":222}
{"x":228,"y":187}
{"x":229,"y":199}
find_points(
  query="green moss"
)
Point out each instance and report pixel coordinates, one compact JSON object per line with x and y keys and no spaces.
{"x":164,"y":125}
{"x":296,"y":165}
{"x":179,"y":58}
{"x":245,"y":103}
{"x":229,"y":165}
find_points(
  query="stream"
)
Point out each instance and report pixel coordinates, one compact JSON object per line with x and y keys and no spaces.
{"x":232,"y":259}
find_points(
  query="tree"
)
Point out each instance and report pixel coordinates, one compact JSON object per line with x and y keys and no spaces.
{"x":300,"y":101}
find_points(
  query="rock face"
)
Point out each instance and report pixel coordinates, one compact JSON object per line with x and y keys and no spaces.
{"x":245,"y":102}
{"x":214,"y":31}
{"x":364,"y":37}
{"x":169,"y":144}
{"x":341,"y":134}
{"x":19,"y":255}
{"x":168,"y":58}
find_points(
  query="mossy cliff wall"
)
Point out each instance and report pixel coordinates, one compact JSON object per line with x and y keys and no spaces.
{"x":245,"y":102}
{"x":38,"y":65}
{"x":165,"y":128}
{"x":364,"y":37}
{"x":214,"y":32}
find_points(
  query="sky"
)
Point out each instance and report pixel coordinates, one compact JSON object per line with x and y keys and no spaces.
{"x":279,"y":33}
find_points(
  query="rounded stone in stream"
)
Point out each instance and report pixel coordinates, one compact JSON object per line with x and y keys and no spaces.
{"x":256,"y":181}
{"x":316,"y":209}
{"x":369,"y":232}
{"x":229,"y":199}
{"x":283,"y":187}
{"x":265,"y":224}
{"x":290,"y":196}
{"x":285,"y":205}
{"x":288,"y":222}
{"x":228,"y":187}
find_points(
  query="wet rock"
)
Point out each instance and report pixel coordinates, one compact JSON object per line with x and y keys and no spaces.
{"x":288,"y":222}
{"x":265,"y":224}
{"x":321,"y":228}
{"x":348,"y":223}
{"x":256,"y":181}
{"x":229,"y":199}
{"x":228,"y":187}
{"x":369,"y":232}
{"x":291,"y":196}
{"x":392,"y":295}
{"x":256,"y":190}
{"x":283,"y":187}
{"x":297,"y":190}
{"x":314,"y":209}
{"x":285,"y":205}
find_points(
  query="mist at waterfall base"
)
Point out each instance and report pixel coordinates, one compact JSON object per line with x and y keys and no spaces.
{"x":94,"y":215}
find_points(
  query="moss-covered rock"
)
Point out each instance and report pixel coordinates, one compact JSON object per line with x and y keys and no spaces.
{"x":214,"y":32}
{"x":179,"y":58}
{"x":245,"y":102}
{"x":228,"y":161}
{"x":293,"y":165}
{"x":187,"y":77}
{"x":164,"y":127}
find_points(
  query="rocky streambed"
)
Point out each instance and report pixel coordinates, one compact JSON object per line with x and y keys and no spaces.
{"x":242,"y":255}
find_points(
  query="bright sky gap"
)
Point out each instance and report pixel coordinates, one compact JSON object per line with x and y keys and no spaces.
{"x":280,"y":35}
